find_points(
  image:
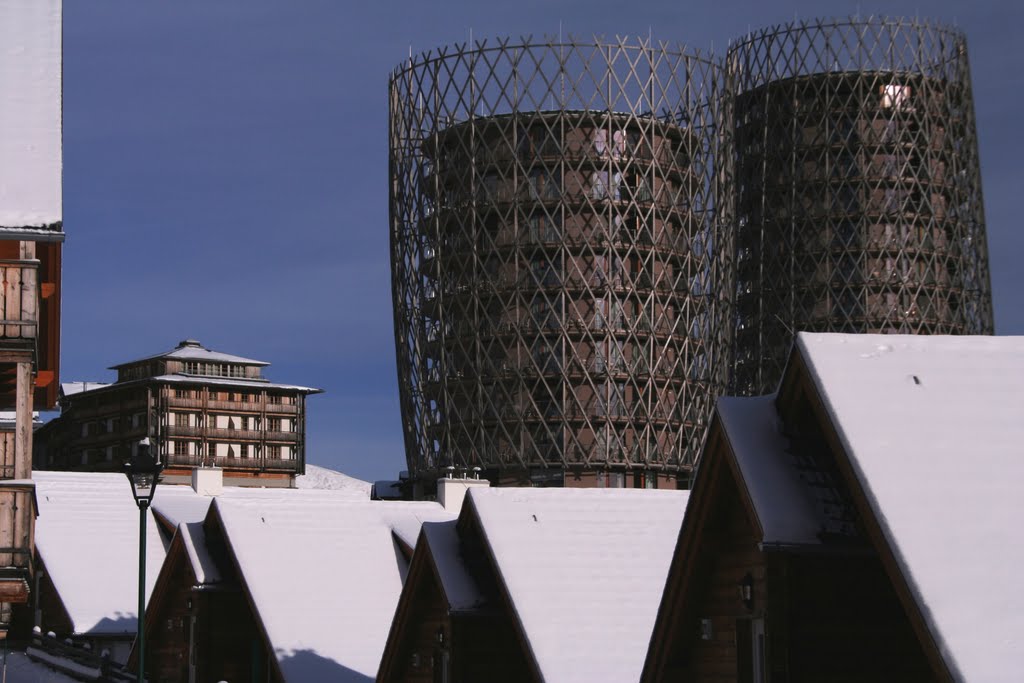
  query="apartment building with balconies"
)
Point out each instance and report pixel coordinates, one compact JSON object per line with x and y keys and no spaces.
{"x":198,"y":408}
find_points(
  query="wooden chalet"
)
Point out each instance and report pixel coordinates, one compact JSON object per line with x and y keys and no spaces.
{"x":199,"y":624}
{"x":31,"y":235}
{"x":834,"y":532}
{"x":277,"y":584}
{"x":535,"y":584}
{"x":87,"y":559}
{"x":198,"y":407}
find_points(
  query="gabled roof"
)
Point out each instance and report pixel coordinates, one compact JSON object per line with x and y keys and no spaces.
{"x":784,"y":509}
{"x":322,"y":573}
{"x":190,"y":349}
{"x":87,"y":534}
{"x":583,"y":570}
{"x":934,"y":430}
{"x":179,"y":504}
{"x":30,"y":118}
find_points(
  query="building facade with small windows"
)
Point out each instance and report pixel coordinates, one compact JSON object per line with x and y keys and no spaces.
{"x":199,"y":408}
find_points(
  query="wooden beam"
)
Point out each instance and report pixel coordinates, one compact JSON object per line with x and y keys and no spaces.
{"x":23,"y":423}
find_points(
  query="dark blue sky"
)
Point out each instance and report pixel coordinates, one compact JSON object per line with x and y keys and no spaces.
{"x":225,"y":175}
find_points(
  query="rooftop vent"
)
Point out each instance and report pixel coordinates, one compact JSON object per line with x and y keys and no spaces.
{"x":189,"y":343}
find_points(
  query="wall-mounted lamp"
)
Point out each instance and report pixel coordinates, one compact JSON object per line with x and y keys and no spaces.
{"x":705,"y":629}
{"x":746,"y":587}
{"x":440,"y":637}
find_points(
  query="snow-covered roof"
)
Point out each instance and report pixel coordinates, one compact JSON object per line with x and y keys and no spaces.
{"x":405,"y":518}
{"x":190,"y":349}
{"x":205,"y":380}
{"x":584,"y":570}
{"x":934,"y":428}
{"x":343,"y":575}
{"x":180,"y":504}
{"x":87,"y":534}
{"x":72,"y":388}
{"x":30,"y":118}
{"x":781,"y":501}
{"x":224,"y":382}
{"x":460,"y":589}
{"x":20,"y":668}
{"x":8,"y":418}
{"x":322,"y":478}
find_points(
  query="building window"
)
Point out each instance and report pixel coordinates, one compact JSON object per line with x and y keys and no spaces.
{"x":243,"y":450}
{"x":182,"y":393}
{"x":180,"y":447}
{"x":274,"y":452}
{"x":274,"y":399}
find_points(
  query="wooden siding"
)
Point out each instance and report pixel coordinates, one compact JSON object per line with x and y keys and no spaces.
{"x":418,"y":657}
{"x":19,"y":299}
{"x":843,"y":623}
{"x":17,"y":530}
{"x":729,"y":552}
{"x":215,"y":624}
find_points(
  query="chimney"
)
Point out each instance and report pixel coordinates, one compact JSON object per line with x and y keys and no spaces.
{"x":451,"y":491}
{"x":208,"y":481}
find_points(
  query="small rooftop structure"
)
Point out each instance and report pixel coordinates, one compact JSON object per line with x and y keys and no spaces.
{"x":192,"y":350}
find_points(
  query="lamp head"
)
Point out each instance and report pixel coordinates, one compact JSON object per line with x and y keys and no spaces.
{"x":143,"y":472}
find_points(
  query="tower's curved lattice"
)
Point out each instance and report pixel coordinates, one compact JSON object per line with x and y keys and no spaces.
{"x":556,"y":261}
{"x":857,"y":188}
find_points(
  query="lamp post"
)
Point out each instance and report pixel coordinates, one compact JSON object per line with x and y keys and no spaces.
{"x":143,"y":473}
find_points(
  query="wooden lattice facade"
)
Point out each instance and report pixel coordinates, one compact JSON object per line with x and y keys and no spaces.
{"x":556,"y":260}
{"x":857,"y":188}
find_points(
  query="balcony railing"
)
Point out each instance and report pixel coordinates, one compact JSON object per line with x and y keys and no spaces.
{"x":216,"y":434}
{"x":17,"y":520}
{"x":250,"y":407}
{"x":19,"y":299}
{"x":271,"y":464}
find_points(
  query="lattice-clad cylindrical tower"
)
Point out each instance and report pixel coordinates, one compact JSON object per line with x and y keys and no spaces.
{"x":555,"y":260}
{"x":857,"y":188}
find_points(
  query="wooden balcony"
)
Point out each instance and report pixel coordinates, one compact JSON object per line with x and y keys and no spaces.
{"x":17,"y":521}
{"x":259,"y":464}
{"x":247,"y":407}
{"x":19,"y":300}
{"x":215,"y":434}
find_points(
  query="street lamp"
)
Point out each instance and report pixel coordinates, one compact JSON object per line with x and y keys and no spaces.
{"x":143,"y":473}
